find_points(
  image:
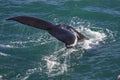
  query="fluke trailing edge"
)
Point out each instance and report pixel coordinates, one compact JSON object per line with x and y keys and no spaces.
{"x":62,"y":32}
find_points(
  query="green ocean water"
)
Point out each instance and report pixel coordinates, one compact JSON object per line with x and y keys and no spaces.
{"x":28,"y":53}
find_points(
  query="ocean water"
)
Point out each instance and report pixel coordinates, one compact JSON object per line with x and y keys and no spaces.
{"x":27,"y":53}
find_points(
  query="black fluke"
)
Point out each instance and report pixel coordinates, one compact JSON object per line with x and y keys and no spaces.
{"x":62,"y":32}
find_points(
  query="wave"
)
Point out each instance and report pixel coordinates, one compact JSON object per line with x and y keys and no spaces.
{"x":21,"y":41}
{"x":52,"y":2}
{"x":102,"y":10}
{"x":4,"y":54}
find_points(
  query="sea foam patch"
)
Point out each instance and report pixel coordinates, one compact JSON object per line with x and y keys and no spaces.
{"x":95,"y":37}
{"x":1,"y":77}
{"x":58,"y":62}
{"x":4,"y":54}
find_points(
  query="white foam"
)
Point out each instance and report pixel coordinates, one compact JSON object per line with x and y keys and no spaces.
{"x":1,"y":77}
{"x":53,"y":63}
{"x":28,"y":73}
{"x":95,"y":37}
{"x":6,"y":46}
{"x":54,"y":67}
{"x":4,"y":54}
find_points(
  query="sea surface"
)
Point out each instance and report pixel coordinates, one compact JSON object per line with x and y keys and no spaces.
{"x":27,"y":53}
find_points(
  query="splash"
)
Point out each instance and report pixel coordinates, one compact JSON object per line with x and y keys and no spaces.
{"x":53,"y":65}
{"x":95,"y":37}
{"x":58,"y":62}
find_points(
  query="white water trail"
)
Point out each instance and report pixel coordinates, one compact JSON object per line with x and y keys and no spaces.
{"x":57,"y":63}
{"x":28,"y":73}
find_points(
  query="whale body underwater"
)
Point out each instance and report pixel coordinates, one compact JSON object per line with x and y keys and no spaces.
{"x":64,"y":33}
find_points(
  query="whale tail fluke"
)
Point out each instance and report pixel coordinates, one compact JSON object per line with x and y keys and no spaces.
{"x":62,"y":32}
{"x":34,"y":22}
